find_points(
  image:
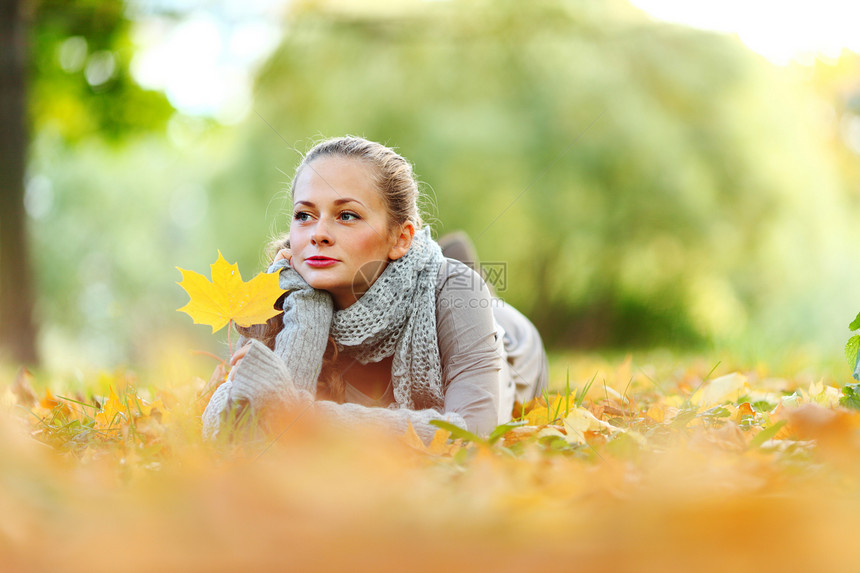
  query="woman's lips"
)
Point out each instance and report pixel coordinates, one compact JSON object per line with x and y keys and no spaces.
{"x":320,"y":262}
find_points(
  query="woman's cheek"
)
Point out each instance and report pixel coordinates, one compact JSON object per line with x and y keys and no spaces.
{"x":305,"y":274}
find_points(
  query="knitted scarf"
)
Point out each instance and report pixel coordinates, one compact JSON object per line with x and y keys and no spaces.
{"x":395,"y":317}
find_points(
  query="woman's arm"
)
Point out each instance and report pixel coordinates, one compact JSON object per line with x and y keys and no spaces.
{"x":300,"y":346}
{"x":262,"y":381}
{"x":470,"y":348}
{"x":470,"y":353}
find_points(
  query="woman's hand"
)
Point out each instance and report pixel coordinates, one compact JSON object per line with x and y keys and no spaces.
{"x":284,"y":253}
{"x":224,"y":371}
{"x":238,"y":356}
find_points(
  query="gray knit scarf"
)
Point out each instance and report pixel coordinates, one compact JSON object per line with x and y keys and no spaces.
{"x":395,"y":317}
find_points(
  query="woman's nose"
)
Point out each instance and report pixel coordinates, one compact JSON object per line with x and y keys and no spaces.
{"x":321,"y":234}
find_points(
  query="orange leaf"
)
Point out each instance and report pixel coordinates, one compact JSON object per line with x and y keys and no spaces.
{"x":22,"y":389}
{"x":228,"y":298}
{"x":438,"y":445}
{"x":744,"y":410}
{"x":112,"y":407}
{"x":51,"y":403}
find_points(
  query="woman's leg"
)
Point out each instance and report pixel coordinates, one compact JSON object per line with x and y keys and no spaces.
{"x":458,"y":245}
{"x":507,"y":383}
{"x":526,"y":357}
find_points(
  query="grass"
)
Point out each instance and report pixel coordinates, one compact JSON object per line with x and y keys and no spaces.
{"x":622,"y":465}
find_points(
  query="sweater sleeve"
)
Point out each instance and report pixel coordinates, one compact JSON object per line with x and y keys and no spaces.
{"x":471,"y":353}
{"x":473,"y":359}
{"x":526,"y":357}
{"x":262,"y":381}
{"x":470,"y":347}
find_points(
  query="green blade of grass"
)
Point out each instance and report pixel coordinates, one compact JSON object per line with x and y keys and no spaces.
{"x":458,"y":432}
{"x":567,"y":394}
{"x":96,"y":408}
{"x":580,"y":396}
{"x":766,"y":434}
{"x":503,"y":429}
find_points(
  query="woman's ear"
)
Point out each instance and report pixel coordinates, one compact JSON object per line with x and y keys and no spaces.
{"x":402,"y":241}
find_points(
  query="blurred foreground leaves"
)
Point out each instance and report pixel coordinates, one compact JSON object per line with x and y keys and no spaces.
{"x":646,"y":471}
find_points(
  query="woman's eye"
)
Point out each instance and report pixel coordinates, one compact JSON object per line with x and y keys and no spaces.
{"x":347,"y":216}
{"x":301,"y":216}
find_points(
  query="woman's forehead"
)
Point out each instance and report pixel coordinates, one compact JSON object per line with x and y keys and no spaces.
{"x":333,"y":179}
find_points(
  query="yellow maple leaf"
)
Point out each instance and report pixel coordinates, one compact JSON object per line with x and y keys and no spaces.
{"x":438,"y":446}
{"x":228,"y":298}
{"x":113,"y":411}
{"x":542,"y":414}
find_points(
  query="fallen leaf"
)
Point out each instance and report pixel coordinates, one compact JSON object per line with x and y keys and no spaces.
{"x":410,"y":438}
{"x":828,"y":427}
{"x":744,"y":410}
{"x":519,"y":434}
{"x":551,"y":431}
{"x":657,"y":412}
{"x":22,"y":388}
{"x":720,"y":390}
{"x":579,"y":421}
{"x":727,"y":437}
{"x":49,"y":402}
{"x":438,"y":446}
{"x":542,"y":414}
{"x":113,"y":408}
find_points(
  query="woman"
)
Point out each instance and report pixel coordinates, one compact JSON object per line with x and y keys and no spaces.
{"x":379,"y":328}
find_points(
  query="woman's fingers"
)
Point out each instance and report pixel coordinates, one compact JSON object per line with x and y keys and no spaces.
{"x":239,"y":355}
{"x":284,"y":254}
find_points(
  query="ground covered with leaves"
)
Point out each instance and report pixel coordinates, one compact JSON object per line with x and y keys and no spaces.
{"x":626,"y":465}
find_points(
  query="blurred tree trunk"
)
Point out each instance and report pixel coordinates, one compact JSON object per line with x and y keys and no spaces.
{"x":17,"y":331}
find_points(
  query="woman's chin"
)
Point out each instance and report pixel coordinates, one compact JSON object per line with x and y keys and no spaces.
{"x":322,"y":282}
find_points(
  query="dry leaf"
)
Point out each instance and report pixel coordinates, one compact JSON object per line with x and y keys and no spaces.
{"x":51,"y":404}
{"x":580,"y":421}
{"x":720,"y":390}
{"x":228,"y":298}
{"x":22,"y":388}
{"x":438,"y":446}
{"x":744,"y":410}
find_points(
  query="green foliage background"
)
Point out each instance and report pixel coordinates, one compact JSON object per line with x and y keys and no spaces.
{"x":645,"y":184}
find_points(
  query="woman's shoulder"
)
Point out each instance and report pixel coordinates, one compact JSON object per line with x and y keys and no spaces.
{"x":470,"y":343}
{"x":457,"y":276}
{"x":461,"y":291}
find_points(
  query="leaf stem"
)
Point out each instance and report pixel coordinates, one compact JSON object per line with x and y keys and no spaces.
{"x":229,"y":341}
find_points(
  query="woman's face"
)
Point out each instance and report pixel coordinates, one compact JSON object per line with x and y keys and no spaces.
{"x":340,"y":236}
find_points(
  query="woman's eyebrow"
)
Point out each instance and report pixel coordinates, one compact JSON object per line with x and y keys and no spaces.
{"x":340,"y":201}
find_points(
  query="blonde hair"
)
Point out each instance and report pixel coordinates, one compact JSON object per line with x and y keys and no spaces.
{"x":393,"y":176}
